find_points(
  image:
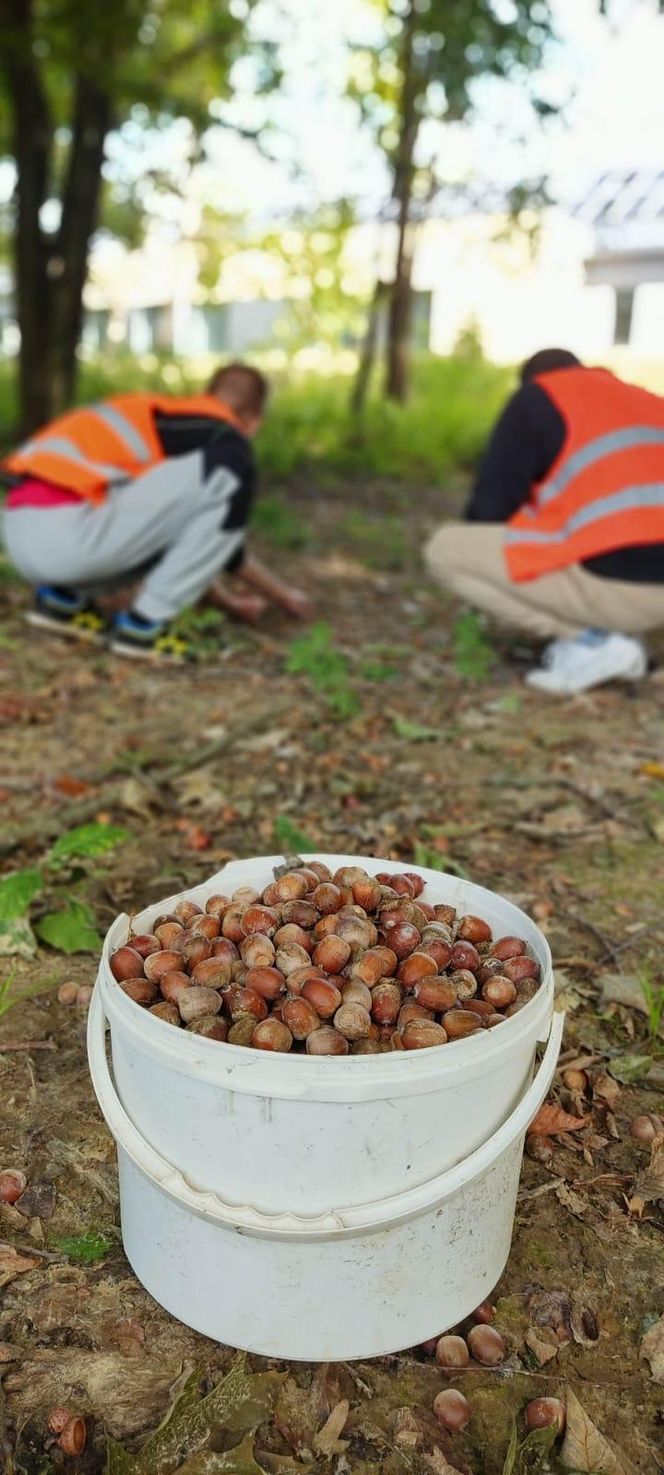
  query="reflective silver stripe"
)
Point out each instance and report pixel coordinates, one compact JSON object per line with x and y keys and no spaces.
{"x":596,"y":450}
{"x":632,"y":499}
{"x":58,"y":445}
{"x":123,"y":428}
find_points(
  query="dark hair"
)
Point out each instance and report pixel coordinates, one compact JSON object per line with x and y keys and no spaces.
{"x":243,"y":388}
{"x":547,"y":360}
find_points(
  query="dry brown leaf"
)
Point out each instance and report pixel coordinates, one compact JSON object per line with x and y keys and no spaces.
{"x":607,"y":1089}
{"x":552,"y":1119}
{"x":652,"y":1348}
{"x":13,"y":1264}
{"x":9,"y":1353}
{"x":327,"y":1440}
{"x":543,"y":1343}
{"x":649,"y":1185}
{"x":571,"y":1200}
{"x":586,"y":1449}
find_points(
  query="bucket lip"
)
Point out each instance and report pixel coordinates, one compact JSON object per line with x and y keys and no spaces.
{"x":239,"y":1068}
{"x":373,"y":1216}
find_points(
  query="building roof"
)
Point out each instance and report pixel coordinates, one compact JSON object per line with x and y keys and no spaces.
{"x":623,"y":197}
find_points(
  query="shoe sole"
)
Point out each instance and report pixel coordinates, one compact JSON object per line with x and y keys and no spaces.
{"x":65,"y":631}
{"x":139,"y":653}
{"x":636,"y":673}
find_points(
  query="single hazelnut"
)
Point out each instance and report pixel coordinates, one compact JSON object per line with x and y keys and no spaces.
{"x":421,"y":1034}
{"x":222,"y":947}
{"x":542,"y":1412}
{"x":465,"y":955}
{"x":141,"y":990}
{"x":217,"y":906}
{"x":300,"y":976}
{"x":499,"y":991}
{"x":473,"y":929}
{"x":300,"y":1017}
{"x":290,"y":957}
{"x":291,"y":887}
{"x":439,"y":950}
{"x":233,"y":923}
{"x":302,"y":913}
{"x":126,"y":963}
{"x":169,"y":934}
{"x":412,"y":1010}
{"x":465,"y":983}
{"x":12,"y":1184}
{"x":373,"y":965}
{"x":326,"y":1041}
{"x":323,"y":996}
{"x":508,"y":947}
{"x":247,"y":1001}
{"x":260,"y":918}
{"x":452,"y":1353}
{"x":205,"y":926}
{"x":268,"y":982}
{"x":320,"y":869}
{"x":327,"y":897}
{"x":172,"y":984}
{"x":245,"y":896}
{"x":166,"y":1011}
{"x":481,"y":1008}
{"x":461,"y":1022}
{"x":290,"y":932}
{"x":144,"y":943}
{"x":209,"y":1027}
{"x":366,"y":892}
{"x":212,"y":973}
{"x":417,"y":965}
{"x":157,"y":964}
{"x":484,"y":1314}
{"x":356,"y":993}
{"x":385,"y":1003}
{"x":486,"y":1345}
{"x":185,"y":910}
{"x":67,"y":993}
{"x":416,"y":882}
{"x":451,"y":1409}
{"x":258,"y":950}
{"x":575,"y":1080}
{"x":332,"y":953}
{"x":195,"y":950}
{"x":272,"y":1034}
{"x":445,"y":913}
{"x":645,"y":1128}
{"x":353,"y":1022}
{"x":438,"y":994}
{"x":403,"y":937}
{"x":366,"y":1047}
{"x":359,"y":932}
{"x":242,"y":1032}
{"x":521,"y":969}
{"x":193,"y":1003}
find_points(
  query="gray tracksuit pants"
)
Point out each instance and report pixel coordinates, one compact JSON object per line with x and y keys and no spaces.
{"x":172,"y":514}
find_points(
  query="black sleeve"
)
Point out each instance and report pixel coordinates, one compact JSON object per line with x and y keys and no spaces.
{"x":523,"y":447}
{"x":234,"y":453}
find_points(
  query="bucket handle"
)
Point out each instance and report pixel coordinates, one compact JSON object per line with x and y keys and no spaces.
{"x":336,"y":1223}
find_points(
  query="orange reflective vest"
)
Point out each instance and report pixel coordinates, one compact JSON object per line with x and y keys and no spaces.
{"x":606,"y":488}
{"x":89,"y":450}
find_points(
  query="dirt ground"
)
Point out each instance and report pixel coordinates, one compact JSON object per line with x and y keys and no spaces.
{"x":406,"y":749}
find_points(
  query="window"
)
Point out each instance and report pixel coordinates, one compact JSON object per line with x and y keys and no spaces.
{"x":622,"y":332}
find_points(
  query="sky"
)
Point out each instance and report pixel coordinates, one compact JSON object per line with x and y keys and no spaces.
{"x":612,"y":73}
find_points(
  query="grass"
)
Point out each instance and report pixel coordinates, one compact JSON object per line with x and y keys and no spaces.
{"x":309,"y":428}
{"x":85,"y":1249}
{"x":315,"y":656}
{"x":654,"y":997}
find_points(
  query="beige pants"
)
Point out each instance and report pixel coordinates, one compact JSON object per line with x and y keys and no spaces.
{"x":467,"y":558}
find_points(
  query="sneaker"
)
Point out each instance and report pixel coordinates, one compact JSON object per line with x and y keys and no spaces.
{"x":147,"y":640}
{"x":594,"y":657}
{"x":62,"y":612}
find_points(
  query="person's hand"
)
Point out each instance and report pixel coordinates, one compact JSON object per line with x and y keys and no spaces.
{"x":298,"y":604}
{"x":246,"y":607}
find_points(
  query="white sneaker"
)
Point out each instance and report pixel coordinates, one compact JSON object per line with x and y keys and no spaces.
{"x":571,"y":666}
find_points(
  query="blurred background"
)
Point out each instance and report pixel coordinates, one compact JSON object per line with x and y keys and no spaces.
{"x":387,"y":203}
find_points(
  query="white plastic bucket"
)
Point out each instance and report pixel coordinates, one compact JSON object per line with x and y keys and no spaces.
{"x":295,"y":1133}
{"x":352,"y":1283}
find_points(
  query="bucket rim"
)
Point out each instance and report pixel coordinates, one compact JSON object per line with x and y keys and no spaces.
{"x":238,"y":1068}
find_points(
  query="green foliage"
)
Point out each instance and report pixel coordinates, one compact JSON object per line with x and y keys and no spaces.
{"x":85,"y":1249}
{"x":86,"y":841}
{"x":71,"y":930}
{"x":432,"y":860}
{"x":654,"y":997}
{"x":289,"y":838}
{"x":9,"y":996}
{"x":202,"y":629}
{"x":473,"y":655}
{"x":379,"y":540}
{"x":413,"y":732}
{"x":315,"y":656}
{"x":17,"y":890}
{"x":278,"y":523}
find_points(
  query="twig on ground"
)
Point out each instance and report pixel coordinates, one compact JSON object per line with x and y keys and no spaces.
{"x":265,"y":717}
{"x":7,"y":1045}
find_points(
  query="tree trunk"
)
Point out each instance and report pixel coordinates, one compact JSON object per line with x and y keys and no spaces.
{"x":362,"y":380}
{"x":49,"y":269}
{"x":32,"y":144}
{"x":68,"y":260}
{"x":398,"y":340}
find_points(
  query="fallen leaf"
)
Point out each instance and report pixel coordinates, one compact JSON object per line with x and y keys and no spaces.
{"x":238,"y":1461}
{"x":238,"y":1404}
{"x":137,"y":798}
{"x":625,"y":989}
{"x":586,"y":1449}
{"x":38,"y":1201}
{"x":543,"y":1344}
{"x":70,"y":786}
{"x":649,"y":1185}
{"x":652,"y":1348}
{"x":13,"y":1264}
{"x":327,"y":1440}
{"x":571,"y":1200}
{"x":127,"y":1335}
{"x":607,"y":1089}
{"x":552,"y":1119}
{"x":630,"y":1068}
{"x":17,"y":939}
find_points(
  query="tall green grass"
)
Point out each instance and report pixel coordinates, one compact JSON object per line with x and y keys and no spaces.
{"x":443,"y":426}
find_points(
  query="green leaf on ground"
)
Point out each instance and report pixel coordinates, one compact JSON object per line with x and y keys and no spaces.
{"x":629,"y":1068}
{"x":289,"y":839}
{"x":17,"y":891}
{"x":85,"y":1249}
{"x":236,"y":1407}
{"x":473,"y":655}
{"x":414,"y":732}
{"x":71,"y":930}
{"x":510,"y":1457}
{"x":86,"y":840}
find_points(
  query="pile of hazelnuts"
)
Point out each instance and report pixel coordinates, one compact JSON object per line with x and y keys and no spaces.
{"x":327,"y":964}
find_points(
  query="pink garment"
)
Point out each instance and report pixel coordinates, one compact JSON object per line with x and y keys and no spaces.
{"x":34,"y":493}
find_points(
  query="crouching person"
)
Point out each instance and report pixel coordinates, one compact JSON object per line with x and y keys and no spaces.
{"x":142,"y":488}
{"x":564,"y":532}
